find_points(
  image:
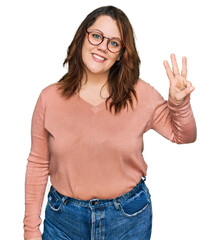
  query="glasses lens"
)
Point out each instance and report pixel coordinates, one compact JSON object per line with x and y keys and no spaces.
{"x":114,"y":45}
{"x":95,"y":38}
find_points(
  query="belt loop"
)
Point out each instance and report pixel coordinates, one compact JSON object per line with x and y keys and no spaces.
{"x":116,"y":204}
{"x":64,"y":200}
{"x":143,"y":179}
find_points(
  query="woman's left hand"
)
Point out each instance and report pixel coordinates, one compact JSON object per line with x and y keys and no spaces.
{"x":179,"y":86}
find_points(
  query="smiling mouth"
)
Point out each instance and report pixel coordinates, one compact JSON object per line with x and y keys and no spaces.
{"x":102,"y":59}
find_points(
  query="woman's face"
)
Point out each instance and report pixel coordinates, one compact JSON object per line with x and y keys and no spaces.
{"x":98,"y":59}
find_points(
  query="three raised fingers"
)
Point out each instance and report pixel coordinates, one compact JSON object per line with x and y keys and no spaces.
{"x":171,"y":74}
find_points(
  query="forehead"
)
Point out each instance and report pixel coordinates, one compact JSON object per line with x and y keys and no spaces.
{"x":106,"y":25}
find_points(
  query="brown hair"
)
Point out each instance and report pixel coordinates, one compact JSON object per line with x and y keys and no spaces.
{"x":123,"y":74}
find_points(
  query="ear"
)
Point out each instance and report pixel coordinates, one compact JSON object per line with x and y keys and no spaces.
{"x":119,"y":57}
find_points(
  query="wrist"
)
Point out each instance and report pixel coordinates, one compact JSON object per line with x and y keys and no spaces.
{"x":176,"y":102}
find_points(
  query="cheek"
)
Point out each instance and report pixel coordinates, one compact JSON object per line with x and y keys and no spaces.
{"x":85,"y":49}
{"x":113,"y":60}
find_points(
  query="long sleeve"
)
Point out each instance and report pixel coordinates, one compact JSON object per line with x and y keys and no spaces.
{"x":174,"y":122}
{"x":37,"y":171}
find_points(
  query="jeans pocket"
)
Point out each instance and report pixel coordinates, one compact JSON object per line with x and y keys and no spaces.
{"x":135,"y":204}
{"x":54,"y":201}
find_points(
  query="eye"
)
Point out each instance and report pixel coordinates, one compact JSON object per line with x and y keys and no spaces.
{"x":114,"y":43}
{"x":96,"y":36}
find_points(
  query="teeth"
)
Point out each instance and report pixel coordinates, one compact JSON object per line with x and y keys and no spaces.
{"x":98,"y":57}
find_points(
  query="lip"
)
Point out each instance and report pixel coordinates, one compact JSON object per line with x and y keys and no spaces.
{"x":99,"y":56}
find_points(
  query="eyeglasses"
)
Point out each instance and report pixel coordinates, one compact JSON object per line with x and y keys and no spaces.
{"x":114,"y":45}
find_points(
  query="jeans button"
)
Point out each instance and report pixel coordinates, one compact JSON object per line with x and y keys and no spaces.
{"x":95,"y":202}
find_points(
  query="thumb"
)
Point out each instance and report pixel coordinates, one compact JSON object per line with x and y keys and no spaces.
{"x":187,"y":90}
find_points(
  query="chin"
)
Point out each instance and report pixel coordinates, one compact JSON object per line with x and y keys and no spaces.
{"x":94,"y":70}
{"x":99,"y":72}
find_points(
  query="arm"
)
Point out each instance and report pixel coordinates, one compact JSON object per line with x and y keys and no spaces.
{"x":37,"y":171}
{"x":174,"y":122}
{"x":174,"y":118}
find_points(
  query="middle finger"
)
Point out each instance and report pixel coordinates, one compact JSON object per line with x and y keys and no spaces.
{"x":174,"y":64}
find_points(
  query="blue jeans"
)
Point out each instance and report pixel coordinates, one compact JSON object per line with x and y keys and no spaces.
{"x":127,"y":217}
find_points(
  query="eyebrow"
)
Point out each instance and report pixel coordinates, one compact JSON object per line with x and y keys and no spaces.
{"x":103,"y":33}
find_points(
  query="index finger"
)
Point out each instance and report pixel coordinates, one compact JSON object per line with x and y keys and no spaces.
{"x":168,"y":71}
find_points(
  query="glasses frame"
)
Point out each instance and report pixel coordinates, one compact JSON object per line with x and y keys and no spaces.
{"x":103,"y":37}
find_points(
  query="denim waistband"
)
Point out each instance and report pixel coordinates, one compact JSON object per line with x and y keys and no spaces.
{"x":96,"y":201}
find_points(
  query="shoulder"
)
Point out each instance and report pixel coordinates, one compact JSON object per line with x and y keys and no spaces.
{"x":143,"y":87}
{"x":147,"y":93}
{"x":50,"y":93}
{"x":50,"y":90}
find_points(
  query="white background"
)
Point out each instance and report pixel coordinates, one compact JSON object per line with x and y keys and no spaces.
{"x":183,"y":179}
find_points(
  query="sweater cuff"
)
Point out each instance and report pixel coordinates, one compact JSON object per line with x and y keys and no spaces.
{"x":32,"y":234}
{"x":174,"y":106}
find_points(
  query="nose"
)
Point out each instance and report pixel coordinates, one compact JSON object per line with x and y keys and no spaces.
{"x":103,"y":45}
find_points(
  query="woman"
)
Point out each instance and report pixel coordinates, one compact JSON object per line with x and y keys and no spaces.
{"x":87,"y":134}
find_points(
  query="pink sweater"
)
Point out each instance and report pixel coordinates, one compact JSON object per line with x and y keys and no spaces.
{"x":89,"y":152}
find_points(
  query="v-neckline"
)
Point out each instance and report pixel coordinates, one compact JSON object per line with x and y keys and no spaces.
{"x":93,"y":108}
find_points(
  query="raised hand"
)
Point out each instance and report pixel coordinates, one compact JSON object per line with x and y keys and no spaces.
{"x":179,"y":86}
